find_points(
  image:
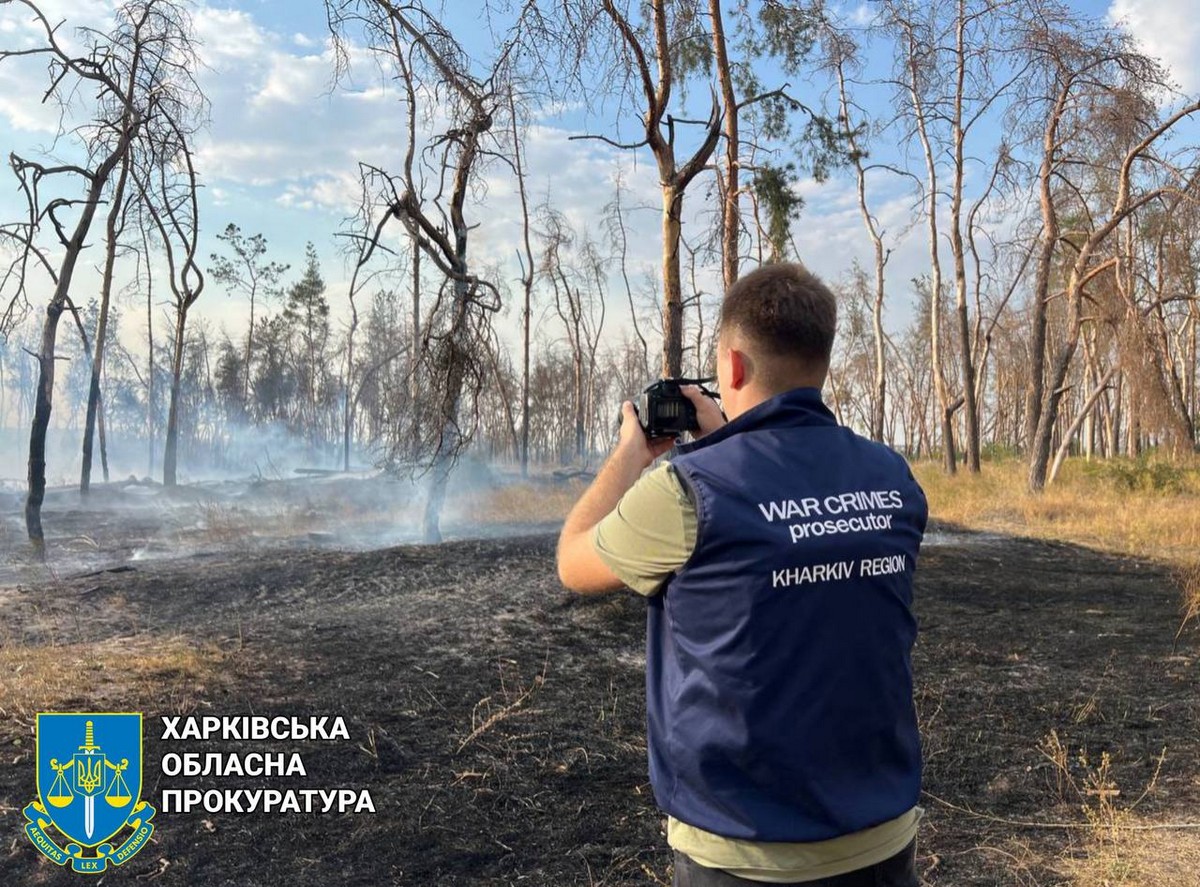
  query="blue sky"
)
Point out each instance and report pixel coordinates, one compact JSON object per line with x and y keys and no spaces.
{"x":281,"y":152}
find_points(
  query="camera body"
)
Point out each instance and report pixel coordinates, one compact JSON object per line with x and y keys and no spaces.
{"x":665,"y":411}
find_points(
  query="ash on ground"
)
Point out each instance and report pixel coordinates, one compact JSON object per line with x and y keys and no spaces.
{"x":499,"y":721}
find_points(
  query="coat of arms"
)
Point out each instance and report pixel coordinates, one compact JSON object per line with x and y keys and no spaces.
{"x":89,"y":781}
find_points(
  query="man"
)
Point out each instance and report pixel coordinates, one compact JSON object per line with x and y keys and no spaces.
{"x":777,"y":552}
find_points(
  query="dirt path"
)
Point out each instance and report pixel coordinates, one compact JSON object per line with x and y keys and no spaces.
{"x":498,"y":721}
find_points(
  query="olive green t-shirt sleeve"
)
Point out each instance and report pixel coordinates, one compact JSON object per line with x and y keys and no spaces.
{"x":651,"y":532}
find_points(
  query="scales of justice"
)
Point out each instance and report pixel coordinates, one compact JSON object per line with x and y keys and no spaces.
{"x":90,"y":769}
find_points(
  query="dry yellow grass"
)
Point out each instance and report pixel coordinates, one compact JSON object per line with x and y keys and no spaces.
{"x":1143,"y":509}
{"x":123,"y":674}
{"x":1119,"y":847}
{"x":1188,"y":578}
{"x":239,"y":526}
{"x":525,"y":503}
{"x":1137,"y":508}
{"x":1137,"y":859}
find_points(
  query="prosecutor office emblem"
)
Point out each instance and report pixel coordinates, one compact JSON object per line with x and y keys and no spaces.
{"x":89,"y":782}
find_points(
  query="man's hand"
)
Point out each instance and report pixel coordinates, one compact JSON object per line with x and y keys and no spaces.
{"x":708,"y":414}
{"x":579,"y":567}
{"x":632,"y":444}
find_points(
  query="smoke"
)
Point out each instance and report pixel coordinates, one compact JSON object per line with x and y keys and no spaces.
{"x":225,"y":452}
{"x":248,"y":489}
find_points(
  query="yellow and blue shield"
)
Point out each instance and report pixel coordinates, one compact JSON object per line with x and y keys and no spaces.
{"x":89,"y":781}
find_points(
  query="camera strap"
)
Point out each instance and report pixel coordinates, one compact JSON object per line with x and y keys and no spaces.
{"x":701,"y":383}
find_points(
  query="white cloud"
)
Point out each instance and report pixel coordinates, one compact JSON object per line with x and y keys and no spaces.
{"x":295,"y":80}
{"x":369,"y":94}
{"x":863,"y":15}
{"x":337,"y":193}
{"x":228,"y":35}
{"x":250,"y":162}
{"x":20,"y":106}
{"x":17,"y":18}
{"x":1168,"y":30}
{"x":23,"y":81}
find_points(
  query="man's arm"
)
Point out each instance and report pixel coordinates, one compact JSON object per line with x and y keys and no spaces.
{"x":579,"y":566}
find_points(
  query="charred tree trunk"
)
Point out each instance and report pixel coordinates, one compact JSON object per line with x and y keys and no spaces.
{"x":414,"y":40}
{"x":41,"y":422}
{"x":1035,"y":392}
{"x":1133,"y":423}
{"x":454,"y":359}
{"x":949,"y":451}
{"x":456,"y":344}
{"x":580,"y":405}
{"x":150,"y":436}
{"x":525,"y":319}
{"x":672,"y":211}
{"x":348,"y":384}
{"x":1043,"y":439}
{"x":879,"y":402}
{"x":112,"y":232}
{"x":46,"y":354}
{"x":171,"y":448}
{"x":970,"y":405}
{"x":958,"y":248}
{"x":414,"y":375}
{"x":526,"y":261}
{"x":103,"y":438}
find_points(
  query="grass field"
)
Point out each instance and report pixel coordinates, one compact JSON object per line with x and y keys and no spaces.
{"x":1142,"y":508}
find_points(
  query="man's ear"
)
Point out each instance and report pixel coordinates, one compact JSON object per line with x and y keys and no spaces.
{"x":737,"y":368}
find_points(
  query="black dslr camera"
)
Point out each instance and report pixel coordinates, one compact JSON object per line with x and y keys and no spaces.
{"x":664,"y":410}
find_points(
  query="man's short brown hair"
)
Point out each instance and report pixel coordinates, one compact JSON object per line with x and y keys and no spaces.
{"x":788,"y":315}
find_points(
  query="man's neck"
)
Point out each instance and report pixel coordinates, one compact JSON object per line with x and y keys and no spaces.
{"x":751,"y":396}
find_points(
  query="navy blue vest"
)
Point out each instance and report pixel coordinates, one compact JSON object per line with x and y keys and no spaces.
{"x":778,"y":658}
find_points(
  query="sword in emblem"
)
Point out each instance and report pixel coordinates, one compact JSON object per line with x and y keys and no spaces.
{"x":89,"y":801}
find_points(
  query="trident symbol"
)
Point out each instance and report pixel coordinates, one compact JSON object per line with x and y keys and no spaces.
{"x":89,"y":778}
